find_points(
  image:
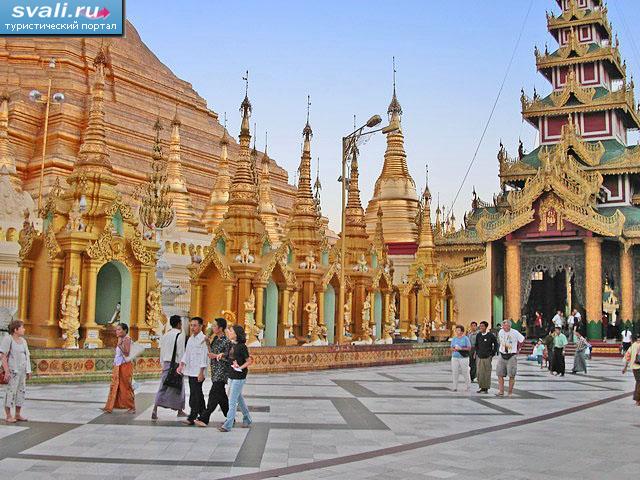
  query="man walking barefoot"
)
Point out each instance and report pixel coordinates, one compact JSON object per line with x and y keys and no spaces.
{"x":486,"y":347}
{"x":509,"y":341}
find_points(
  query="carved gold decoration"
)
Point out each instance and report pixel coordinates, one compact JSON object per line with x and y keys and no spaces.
{"x":622,"y":99}
{"x":154,"y":318}
{"x":574,"y":17}
{"x":212,"y":256}
{"x":140,"y":252}
{"x":252,"y":331}
{"x":550,"y":213}
{"x":469,"y":267}
{"x":490,"y":230}
{"x":572,"y":87}
{"x":51,"y":243}
{"x":27,"y":236}
{"x":70,"y":312}
{"x":601,"y":53}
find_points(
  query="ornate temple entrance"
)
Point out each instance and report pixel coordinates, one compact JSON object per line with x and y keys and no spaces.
{"x":552,"y":279}
{"x":113,"y":291}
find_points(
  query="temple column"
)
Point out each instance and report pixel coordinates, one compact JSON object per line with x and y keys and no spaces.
{"x":411,"y":320}
{"x":24,"y":288}
{"x":593,"y":285}
{"x":512,"y":280}
{"x":88,"y":307}
{"x":284,"y":317}
{"x":626,"y":284}
{"x":51,"y":324}
{"x":196,"y":299}
{"x":244,"y":290}
{"x":228,"y":296}
{"x":404,"y":312}
{"x":259,"y":306}
{"x":320,"y":295}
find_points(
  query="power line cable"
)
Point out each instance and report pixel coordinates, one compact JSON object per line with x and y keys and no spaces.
{"x":493,"y":108}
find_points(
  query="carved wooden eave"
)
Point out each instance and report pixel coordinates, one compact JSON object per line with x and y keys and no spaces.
{"x":512,"y":169}
{"x":461,"y":237}
{"x":562,"y":174}
{"x":603,"y":53}
{"x":575,"y":17}
{"x":628,"y":162}
{"x":490,"y":230}
{"x":622,"y":99}
{"x":475,"y":265}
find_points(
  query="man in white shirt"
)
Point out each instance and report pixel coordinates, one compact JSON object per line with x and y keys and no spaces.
{"x":171,"y":350}
{"x":509,"y":341}
{"x":627,"y":338}
{"x":558,"y":320}
{"x":194,"y":365}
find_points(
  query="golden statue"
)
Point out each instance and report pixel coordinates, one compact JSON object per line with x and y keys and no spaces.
{"x":425,"y":331}
{"x":312,"y":315}
{"x":155,"y":319}
{"x":366,"y":320}
{"x":75,"y":223}
{"x":252,"y":331}
{"x":347,"y":315}
{"x":288,"y":331}
{"x":70,"y":312}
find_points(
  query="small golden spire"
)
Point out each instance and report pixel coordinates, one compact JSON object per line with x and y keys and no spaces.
{"x":7,"y":155}
{"x":93,"y":150}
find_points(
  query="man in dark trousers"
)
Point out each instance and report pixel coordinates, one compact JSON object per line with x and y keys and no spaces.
{"x":473,"y":332}
{"x":486,"y":347}
{"x":219,"y":372}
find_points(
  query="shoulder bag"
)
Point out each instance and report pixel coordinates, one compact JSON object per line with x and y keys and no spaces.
{"x":174,"y":379}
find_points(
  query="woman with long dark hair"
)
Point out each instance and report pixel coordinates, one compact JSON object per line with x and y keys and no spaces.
{"x":239,"y":360}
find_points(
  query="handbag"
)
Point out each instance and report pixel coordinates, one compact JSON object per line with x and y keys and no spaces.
{"x":463,"y":353}
{"x":4,"y":379}
{"x":173,"y":379}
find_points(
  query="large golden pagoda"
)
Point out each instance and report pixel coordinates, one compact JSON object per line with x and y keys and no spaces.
{"x":395,"y":190}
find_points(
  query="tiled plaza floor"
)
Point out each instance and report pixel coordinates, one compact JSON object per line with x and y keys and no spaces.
{"x":399,"y":422}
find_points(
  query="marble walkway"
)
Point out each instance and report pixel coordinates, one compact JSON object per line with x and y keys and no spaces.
{"x":376,"y":423}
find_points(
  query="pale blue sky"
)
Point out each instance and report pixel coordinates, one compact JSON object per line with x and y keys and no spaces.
{"x":450,"y":57}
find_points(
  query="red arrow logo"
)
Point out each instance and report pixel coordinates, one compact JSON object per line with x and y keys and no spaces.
{"x":103,"y":13}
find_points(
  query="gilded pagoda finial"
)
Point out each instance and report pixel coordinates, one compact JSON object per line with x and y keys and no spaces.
{"x":245,"y":108}
{"x":394,"y":106}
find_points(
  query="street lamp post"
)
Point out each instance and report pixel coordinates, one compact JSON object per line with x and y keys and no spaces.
{"x":348,"y":144}
{"x":36,"y":96}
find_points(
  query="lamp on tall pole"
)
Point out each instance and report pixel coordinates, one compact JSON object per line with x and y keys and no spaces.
{"x":37,"y":97}
{"x":349,"y":142}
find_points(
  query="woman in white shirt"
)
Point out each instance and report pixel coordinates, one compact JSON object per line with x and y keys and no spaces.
{"x":172,"y":346}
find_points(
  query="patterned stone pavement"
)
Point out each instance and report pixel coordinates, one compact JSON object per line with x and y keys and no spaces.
{"x":384,"y":423}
